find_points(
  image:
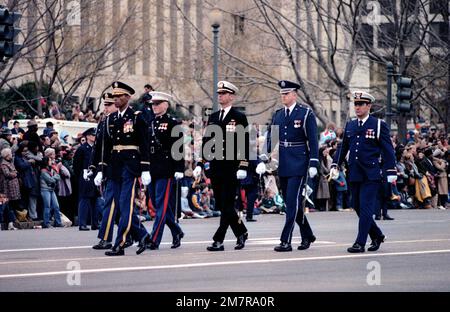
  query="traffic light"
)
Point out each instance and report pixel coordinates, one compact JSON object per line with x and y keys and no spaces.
{"x":404,"y":94}
{"x":8,"y":33}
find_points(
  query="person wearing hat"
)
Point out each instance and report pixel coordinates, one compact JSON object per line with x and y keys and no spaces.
{"x":87,"y":192}
{"x":225,"y":168}
{"x":165,"y":170}
{"x":31,"y":134}
{"x":105,"y":233}
{"x":126,"y":156}
{"x":297,"y":161}
{"x":366,"y":139}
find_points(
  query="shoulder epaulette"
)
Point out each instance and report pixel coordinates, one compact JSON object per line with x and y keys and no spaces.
{"x":137,"y":112}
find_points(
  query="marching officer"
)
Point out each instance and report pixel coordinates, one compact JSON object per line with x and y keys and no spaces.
{"x":87,"y":191}
{"x":99,"y":162}
{"x":128,"y":158}
{"x":366,"y":138}
{"x":225,"y":168}
{"x":298,"y":161}
{"x":166,"y":167}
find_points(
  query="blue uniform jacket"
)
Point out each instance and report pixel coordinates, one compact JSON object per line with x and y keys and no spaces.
{"x":298,"y":141}
{"x":81,"y":160}
{"x":365,"y":146}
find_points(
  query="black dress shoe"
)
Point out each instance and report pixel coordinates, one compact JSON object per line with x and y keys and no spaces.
{"x":306,"y":242}
{"x":283,"y":247}
{"x":143,"y":244}
{"x":251,"y":220}
{"x":377,"y":217}
{"x":102,"y":244}
{"x":83,"y":228}
{"x":375,"y":245}
{"x":95,"y":227}
{"x":115,"y":252}
{"x":176,"y":242}
{"x":387,"y":217}
{"x":356,"y":248}
{"x":216,"y":246}
{"x":240,"y":243}
{"x":127,"y":244}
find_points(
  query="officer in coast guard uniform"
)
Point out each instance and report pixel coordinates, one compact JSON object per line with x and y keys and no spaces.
{"x":366,"y":138}
{"x":87,"y":191}
{"x":127,"y":147}
{"x":165,"y":168}
{"x":99,"y":162}
{"x":298,"y":157}
{"x":225,"y":169}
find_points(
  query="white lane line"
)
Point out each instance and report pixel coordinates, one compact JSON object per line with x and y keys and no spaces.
{"x":223,"y":263}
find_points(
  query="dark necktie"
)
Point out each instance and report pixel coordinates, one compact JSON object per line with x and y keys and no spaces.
{"x":222,"y":112}
{"x":360,"y":123}
{"x":287,"y":113}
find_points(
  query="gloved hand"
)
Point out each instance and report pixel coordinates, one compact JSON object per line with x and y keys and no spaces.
{"x":312,"y":172}
{"x":241,"y":174}
{"x":197,"y":172}
{"x":392,"y":178}
{"x":146,"y":178}
{"x":87,"y":174}
{"x":98,"y":179}
{"x":263,"y":157}
{"x":261,"y":168}
{"x":178,"y":175}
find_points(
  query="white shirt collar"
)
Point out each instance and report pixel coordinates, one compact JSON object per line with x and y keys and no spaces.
{"x":291,"y":108}
{"x":120,"y":114}
{"x":226,"y":110}
{"x":363,"y":120}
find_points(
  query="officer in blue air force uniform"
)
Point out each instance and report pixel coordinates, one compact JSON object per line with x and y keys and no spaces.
{"x":128,"y":156}
{"x":99,"y":162}
{"x":298,"y":151}
{"x":165,"y":168}
{"x":366,"y":138}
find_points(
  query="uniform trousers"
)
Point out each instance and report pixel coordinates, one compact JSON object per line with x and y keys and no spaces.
{"x":163,"y":196}
{"x":109,"y":213}
{"x":364,"y":201}
{"x":124,"y":189}
{"x":291,"y":188}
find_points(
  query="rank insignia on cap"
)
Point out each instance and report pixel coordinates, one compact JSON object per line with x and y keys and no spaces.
{"x":116,"y":85}
{"x":283,"y":84}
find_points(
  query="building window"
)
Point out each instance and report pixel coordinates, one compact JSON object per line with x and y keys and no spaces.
{"x":364,"y":38}
{"x":386,"y":35}
{"x":439,"y":34}
{"x":438,"y":6}
{"x":239,"y":23}
{"x":387,"y":6}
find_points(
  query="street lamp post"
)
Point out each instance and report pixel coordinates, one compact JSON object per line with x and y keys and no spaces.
{"x":215,"y":17}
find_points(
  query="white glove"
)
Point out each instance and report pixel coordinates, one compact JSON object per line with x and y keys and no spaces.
{"x":241,"y":174}
{"x":178,"y":175}
{"x":87,"y":174}
{"x":392,"y":178}
{"x":312,"y":172}
{"x":146,"y":178}
{"x":98,"y":179}
{"x":197,"y":172}
{"x":263,"y":157}
{"x":261,"y":168}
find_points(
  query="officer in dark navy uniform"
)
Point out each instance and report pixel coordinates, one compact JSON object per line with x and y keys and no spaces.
{"x":87,"y":191}
{"x":127,"y":145}
{"x":99,"y":162}
{"x":298,"y":161}
{"x":366,"y":138}
{"x":166,"y":167}
{"x":226,"y":167}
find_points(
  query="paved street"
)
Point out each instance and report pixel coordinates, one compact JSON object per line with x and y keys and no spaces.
{"x":415,"y":257}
